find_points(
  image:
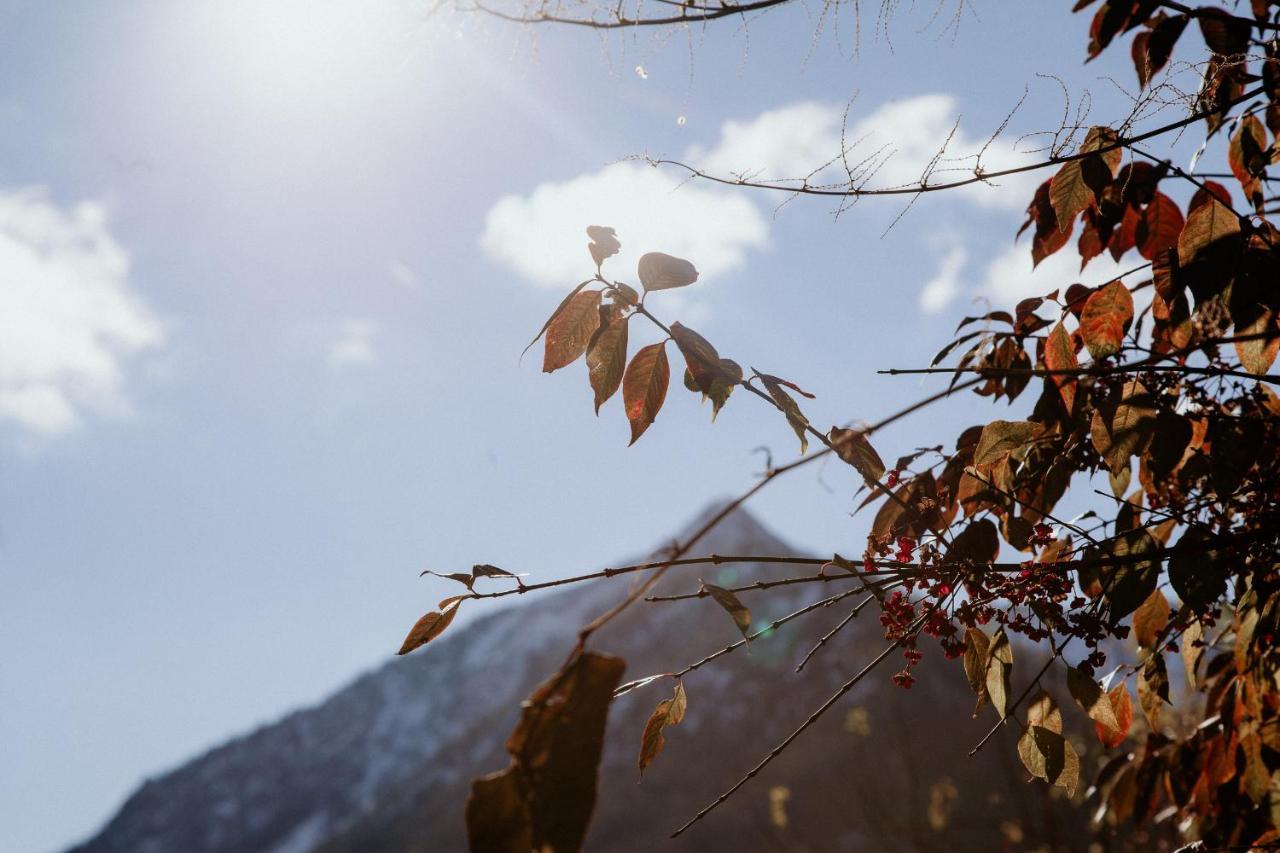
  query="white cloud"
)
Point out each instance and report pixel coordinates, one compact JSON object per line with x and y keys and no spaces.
{"x":938,"y":291}
{"x":1009,"y":277}
{"x":68,"y":319}
{"x":542,"y":235}
{"x":403,"y":275}
{"x":355,"y":344}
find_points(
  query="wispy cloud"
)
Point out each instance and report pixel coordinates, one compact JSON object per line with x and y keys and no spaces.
{"x":69,"y":321}
{"x":355,"y":345}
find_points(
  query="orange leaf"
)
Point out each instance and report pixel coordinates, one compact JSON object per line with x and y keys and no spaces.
{"x":1122,"y":707}
{"x":1105,"y":316}
{"x":1060,"y":354}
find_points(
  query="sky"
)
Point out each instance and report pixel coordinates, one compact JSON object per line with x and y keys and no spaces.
{"x":266,"y":269}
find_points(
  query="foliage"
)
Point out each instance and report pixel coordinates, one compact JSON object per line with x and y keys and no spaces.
{"x":1162,"y":372}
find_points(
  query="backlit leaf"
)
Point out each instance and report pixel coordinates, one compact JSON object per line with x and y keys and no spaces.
{"x":1258,"y":352}
{"x":999,"y":670}
{"x":607,"y":360}
{"x":1208,"y":225}
{"x":668,"y":713}
{"x":853,"y":447}
{"x":1104,"y":318}
{"x":1153,"y":689}
{"x":1150,"y":619}
{"x":1158,"y":227}
{"x":660,"y":271}
{"x":789,"y":407}
{"x":1044,"y":751}
{"x":1000,"y":438}
{"x":604,"y":243}
{"x":1060,"y":354}
{"x":1122,"y":712}
{"x":1092,"y":699}
{"x":735,"y":608}
{"x":570,"y":330}
{"x":644,"y":387}
{"x":976,"y":654}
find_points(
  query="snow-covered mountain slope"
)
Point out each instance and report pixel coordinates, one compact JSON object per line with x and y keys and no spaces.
{"x":385,"y":763}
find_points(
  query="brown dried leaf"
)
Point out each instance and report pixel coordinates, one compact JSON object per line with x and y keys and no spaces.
{"x":668,"y":713}
{"x":431,"y":625}
{"x":735,"y":608}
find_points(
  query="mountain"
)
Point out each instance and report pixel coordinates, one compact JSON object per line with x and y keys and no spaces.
{"x":385,"y":763}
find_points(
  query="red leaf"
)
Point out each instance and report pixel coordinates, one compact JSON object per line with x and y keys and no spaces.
{"x":570,"y":330}
{"x":607,"y":359}
{"x":644,"y":387}
{"x":1159,"y":227}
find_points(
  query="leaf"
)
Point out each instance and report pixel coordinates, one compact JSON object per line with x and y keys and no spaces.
{"x":999,"y":669}
{"x":1080,"y":182}
{"x":1044,"y":751}
{"x":554,"y":314}
{"x":722,"y":386}
{"x":789,"y":407}
{"x":1259,"y":352}
{"x":1089,"y":695}
{"x":1153,"y":689}
{"x":1128,"y":429}
{"x":1150,"y":619}
{"x":1158,"y":227}
{"x":570,"y":330}
{"x":659,"y":271}
{"x":1192,"y":649}
{"x":1157,"y":47}
{"x":644,"y":387}
{"x":1047,"y":238}
{"x":1105,"y":316}
{"x":1000,"y":438}
{"x":1195,"y":570}
{"x":699,"y":355}
{"x":1130,"y":582}
{"x":607,"y":360}
{"x":1122,"y":710}
{"x":431,"y":625}
{"x":853,"y":447}
{"x":1208,"y":225}
{"x":668,"y":713}
{"x":497,"y":814}
{"x":1060,"y":354}
{"x":735,"y":608}
{"x":604,"y":243}
{"x":977,"y":652}
{"x":1069,"y":194}
{"x":545,"y":799}
{"x":979,"y":541}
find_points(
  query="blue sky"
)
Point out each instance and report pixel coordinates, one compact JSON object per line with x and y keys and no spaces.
{"x":265,"y":272}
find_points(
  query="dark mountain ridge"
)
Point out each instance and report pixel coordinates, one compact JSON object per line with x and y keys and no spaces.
{"x":386,"y":762}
